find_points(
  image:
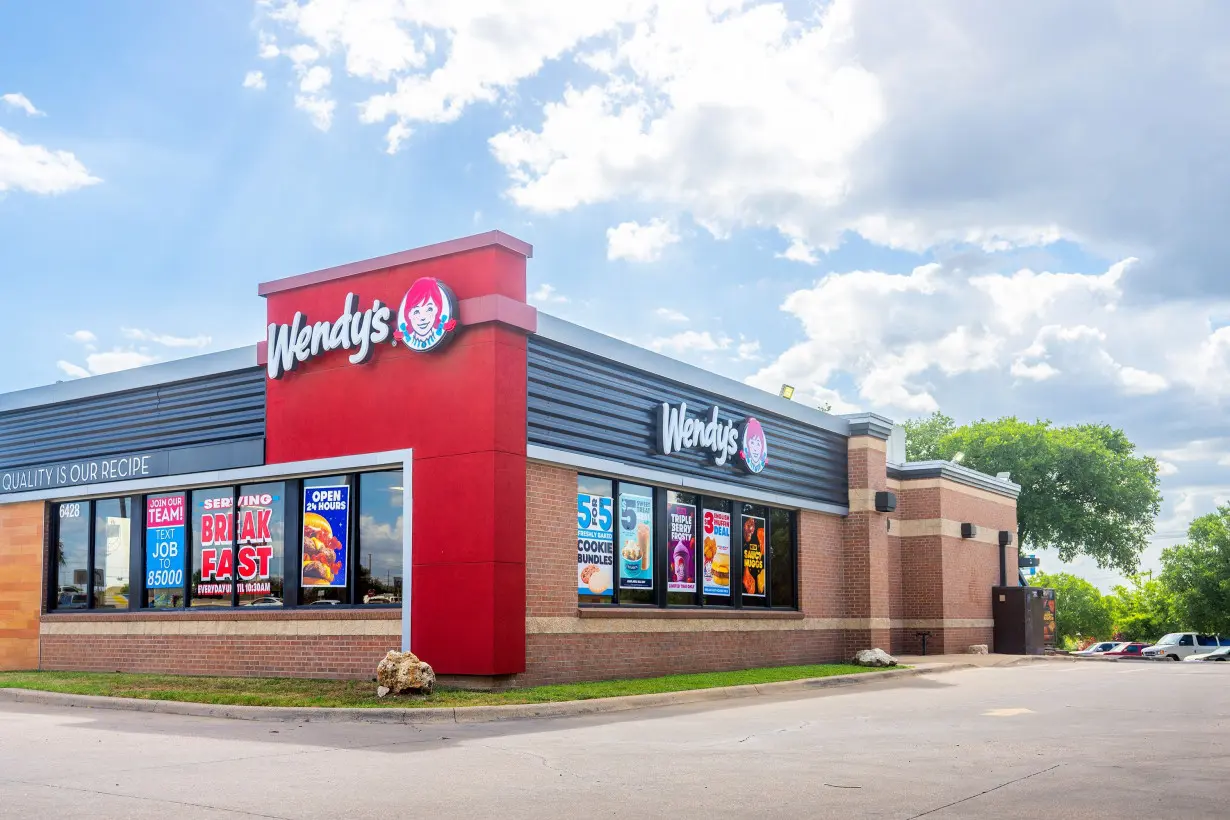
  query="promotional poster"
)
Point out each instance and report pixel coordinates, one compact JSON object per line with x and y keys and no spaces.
{"x":717,"y":552}
{"x":595,"y":544}
{"x":682,"y":548}
{"x":165,"y":519}
{"x":325,"y":548}
{"x":636,"y":533}
{"x":753,"y":556}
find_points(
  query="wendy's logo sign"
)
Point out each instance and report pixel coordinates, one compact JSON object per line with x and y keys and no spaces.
{"x":426,"y":320}
{"x":427,"y":317}
{"x":677,"y":431}
{"x":755,"y":449}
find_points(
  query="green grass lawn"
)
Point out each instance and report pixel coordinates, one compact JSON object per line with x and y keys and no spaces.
{"x":299,"y":692}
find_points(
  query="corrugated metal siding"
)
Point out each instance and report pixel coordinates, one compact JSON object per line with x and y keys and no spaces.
{"x":219,"y":408}
{"x":587,"y":404}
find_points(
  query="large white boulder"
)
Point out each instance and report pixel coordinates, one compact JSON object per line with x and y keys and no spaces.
{"x":874,"y":657}
{"x":403,"y":672}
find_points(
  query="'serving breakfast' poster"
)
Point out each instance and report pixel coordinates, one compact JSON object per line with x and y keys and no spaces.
{"x":636,"y":541}
{"x":595,"y":544}
{"x":324,"y":536}
{"x":716,"y":545}
{"x":682,"y":576}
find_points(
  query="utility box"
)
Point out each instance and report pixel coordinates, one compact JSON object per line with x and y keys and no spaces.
{"x":1021,"y":617}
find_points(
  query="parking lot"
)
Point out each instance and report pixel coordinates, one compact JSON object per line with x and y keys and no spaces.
{"x":1052,"y":739}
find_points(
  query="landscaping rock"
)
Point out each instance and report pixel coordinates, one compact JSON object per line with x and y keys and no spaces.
{"x":978,"y":649}
{"x":874,"y":657}
{"x":403,"y":672}
{"x":381,"y":691}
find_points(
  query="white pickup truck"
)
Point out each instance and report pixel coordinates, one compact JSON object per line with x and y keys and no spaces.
{"x":1178,"y":645}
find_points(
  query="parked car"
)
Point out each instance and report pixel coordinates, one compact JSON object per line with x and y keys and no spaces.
{"x":1178,"y":645}
{"x":1131,"y":649}
{"x":268,"y":600}
{"x":1220,"y":654}
{"x":1097,"y":648}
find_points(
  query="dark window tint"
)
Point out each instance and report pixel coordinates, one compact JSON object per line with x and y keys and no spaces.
{"x":595,"y":540}
{"x":72,"y":555}
{"x":781,"y":558}
{"x":112,"y":540}
{"x":212,"y":518}
{"x":324,"y":545}
{"x":1186,"y":640}
{"x":1206,"y":640}
{"x":380,"y":538}
{"x":260,"y":538}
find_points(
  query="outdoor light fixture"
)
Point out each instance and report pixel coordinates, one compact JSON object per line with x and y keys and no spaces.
{"x":1005,"y":538}
{"x":969,"y":531}
{"x":886,"y":502}
{"x":787,"y":392}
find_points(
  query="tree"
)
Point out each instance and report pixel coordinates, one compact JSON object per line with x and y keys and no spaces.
{"x":1144,"y":610}
{"x":1197,"y":574}
{"x":1080,"y":610}
{"x":1083,"y":489}
{"x":922,"y":436}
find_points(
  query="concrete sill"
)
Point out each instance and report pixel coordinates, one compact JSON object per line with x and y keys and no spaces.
{"x":678,"y":614}
{"x":228,"y":614}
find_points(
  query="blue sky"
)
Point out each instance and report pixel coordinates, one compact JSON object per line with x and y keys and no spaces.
{"x":893,"y":207}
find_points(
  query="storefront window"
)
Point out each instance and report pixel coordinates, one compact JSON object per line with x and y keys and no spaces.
{"x":682,"y":568}
{"x":380,"y":538}
{"x":325,"y":544}
{"x":635,"y":543}
{"x":112,"y":544}
{"x":781,"y":559}
{"x":595,"y":540}
{"x":213,"y":554}
{"x":166,"y":548}
{"x":260,"y":538}
{"x":754,"y":565}
{"x":716,"y":551}
{"x":72,"y":555}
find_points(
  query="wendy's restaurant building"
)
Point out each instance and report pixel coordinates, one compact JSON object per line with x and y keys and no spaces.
{"x":414,"y":450}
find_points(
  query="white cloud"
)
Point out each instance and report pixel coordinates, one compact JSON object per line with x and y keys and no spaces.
{"x":112,"y":360}
{"x":315,"y":79}
{"x":75,"y":371}
{"x":670,"y":315}
{"x":799,"y":251}
{"x":1165,"y":468}
{"x":546,"y":295}
{"x":690,"y":341}
{"x":318,"y":109}
{"x":748,"y":351}
{"x":83,"y":336}
{"x":22,"y":102}
{"x":254,"y":79}
{"x":639,"y":243}
{"x":164,"y":339}
{"x":38,"y":170}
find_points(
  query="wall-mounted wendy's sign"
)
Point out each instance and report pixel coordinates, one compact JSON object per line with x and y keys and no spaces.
{"x":426,"y":321}
{"x":724,"y":438}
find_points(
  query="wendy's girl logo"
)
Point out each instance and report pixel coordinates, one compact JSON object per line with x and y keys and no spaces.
{"x":755,"y":449}
{"x":427,"y":316}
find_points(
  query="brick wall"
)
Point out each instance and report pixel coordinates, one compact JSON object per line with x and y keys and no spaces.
{"x":21,"y":585}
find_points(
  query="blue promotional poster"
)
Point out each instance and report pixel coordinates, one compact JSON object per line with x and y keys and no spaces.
{"x":325,"y":545}
{"x":636,"y":537}
{"x":595,"y":545}
{"x":164,"y":542}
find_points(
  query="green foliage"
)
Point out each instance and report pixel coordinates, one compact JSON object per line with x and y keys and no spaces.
{"x":922,"y":436}
{"x":1080,"y":610}
{"x":1083,"y":489}
{"x":1143,"y":610}
{"x":1197,"y":574}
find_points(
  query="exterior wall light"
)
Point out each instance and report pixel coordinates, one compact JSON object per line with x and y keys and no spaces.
{"x":969,"y":531}
{"x":886,"y":502}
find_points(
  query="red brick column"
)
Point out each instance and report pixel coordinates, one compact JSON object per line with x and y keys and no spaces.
{"x":865,"y":552}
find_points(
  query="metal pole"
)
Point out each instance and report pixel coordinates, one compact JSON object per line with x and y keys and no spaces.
{"x":407,"y":546}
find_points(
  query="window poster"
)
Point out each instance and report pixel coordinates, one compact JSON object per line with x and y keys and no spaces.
{"x":753,"y":556}
{"x":636,"y":534}
{"x":682,"y":542}
{"x":325,"y":512}
{"x":255,"y":543}
{"x":716,"y":545}
{"x":215,"y":525}
{"x":595,"y":544}
{"x":165,"y":520}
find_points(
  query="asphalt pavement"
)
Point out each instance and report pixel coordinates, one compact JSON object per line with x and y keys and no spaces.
{"x":1044,"y":740}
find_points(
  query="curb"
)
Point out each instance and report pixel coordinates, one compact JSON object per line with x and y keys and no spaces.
{"x":465,"y":714}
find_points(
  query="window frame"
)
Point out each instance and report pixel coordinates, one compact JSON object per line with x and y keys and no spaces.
{"x":661,"y":557}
